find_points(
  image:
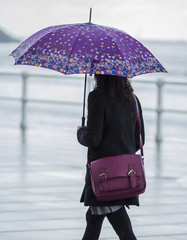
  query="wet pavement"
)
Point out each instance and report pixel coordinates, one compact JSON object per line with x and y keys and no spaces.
{"x":42,"y":176}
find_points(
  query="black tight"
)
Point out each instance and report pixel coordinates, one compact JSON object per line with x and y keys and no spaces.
{"x":119,"y":220}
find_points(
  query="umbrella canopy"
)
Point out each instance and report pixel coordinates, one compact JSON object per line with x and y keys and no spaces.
{"x":87,"y":48}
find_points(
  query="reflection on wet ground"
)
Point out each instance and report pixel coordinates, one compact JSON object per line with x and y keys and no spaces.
{"x":41,"y":179}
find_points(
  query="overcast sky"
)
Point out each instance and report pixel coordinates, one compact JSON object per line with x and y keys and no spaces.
{"x":143,"y":19}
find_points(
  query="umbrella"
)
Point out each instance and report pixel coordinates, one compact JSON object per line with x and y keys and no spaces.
{"x":87,"y":48}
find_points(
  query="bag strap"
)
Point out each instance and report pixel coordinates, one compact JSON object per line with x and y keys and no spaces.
{"x":139,"y":126}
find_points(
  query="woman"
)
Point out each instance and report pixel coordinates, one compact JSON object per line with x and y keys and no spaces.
{"x":111,"y":130}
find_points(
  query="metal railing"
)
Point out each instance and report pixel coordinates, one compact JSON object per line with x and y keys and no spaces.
{"x":24,"y":99}
{"x":159,"y":108}
{"x":159,"y":111}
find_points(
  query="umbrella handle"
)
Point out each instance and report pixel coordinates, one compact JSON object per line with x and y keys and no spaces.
{"x":83,"y":114}
{"x":83,"y":121}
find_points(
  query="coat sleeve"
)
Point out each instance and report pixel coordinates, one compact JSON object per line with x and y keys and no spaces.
{"x":91,"y":135}
{"x":137,"y":139}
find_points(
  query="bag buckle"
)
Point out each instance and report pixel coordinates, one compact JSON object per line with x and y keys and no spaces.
{"x":131,"y":171}
{"x":132,"y":175}
{"x":103,"y":175}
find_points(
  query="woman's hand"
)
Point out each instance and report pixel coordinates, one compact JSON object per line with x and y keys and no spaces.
{"x":80,"y":127}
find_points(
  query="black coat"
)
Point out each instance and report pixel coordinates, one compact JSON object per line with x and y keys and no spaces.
{"x":111,"y":130}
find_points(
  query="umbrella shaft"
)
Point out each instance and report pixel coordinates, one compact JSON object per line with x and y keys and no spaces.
{"x":83,"y":115}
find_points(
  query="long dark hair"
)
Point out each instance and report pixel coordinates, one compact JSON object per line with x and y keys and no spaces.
{"x":115,"y":85}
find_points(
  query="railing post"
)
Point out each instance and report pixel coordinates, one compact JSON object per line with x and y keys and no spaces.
{"x":158,"y":138}
{"x":89,"y":88}
{"x":23,"y":100}
{"x":90,"y":84}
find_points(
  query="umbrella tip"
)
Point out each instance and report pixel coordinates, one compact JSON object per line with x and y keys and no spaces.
{"x":90,"y":17}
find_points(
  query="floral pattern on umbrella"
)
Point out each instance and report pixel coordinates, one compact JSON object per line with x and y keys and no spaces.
{"x":87,"y":48}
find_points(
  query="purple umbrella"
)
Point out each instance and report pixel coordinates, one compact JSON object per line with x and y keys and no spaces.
{"x":87,"y":48}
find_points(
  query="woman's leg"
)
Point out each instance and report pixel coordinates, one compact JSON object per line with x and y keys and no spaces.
{"x":121,"y":223}
{"x":93,"y":228}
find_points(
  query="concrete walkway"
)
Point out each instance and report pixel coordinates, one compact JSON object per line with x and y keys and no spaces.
{"x":41,"y":179}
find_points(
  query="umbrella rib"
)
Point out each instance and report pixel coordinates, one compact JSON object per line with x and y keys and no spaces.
{"x":34,"y":42}
{"x":110,"y":37}
{"x":134,"y":40}
{"x":113,"y":41}
{"x":76,"y":39}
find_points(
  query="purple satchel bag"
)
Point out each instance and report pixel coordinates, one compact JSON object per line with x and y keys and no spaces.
{"x":119,"y":177}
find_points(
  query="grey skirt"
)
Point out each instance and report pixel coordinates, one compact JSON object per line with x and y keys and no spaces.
{"x":104,"y":209}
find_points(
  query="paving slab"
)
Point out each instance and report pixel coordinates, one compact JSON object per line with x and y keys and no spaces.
{"x":41,"y":181}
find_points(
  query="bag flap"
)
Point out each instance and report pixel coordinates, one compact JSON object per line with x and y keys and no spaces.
{"x":116,"y":166}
